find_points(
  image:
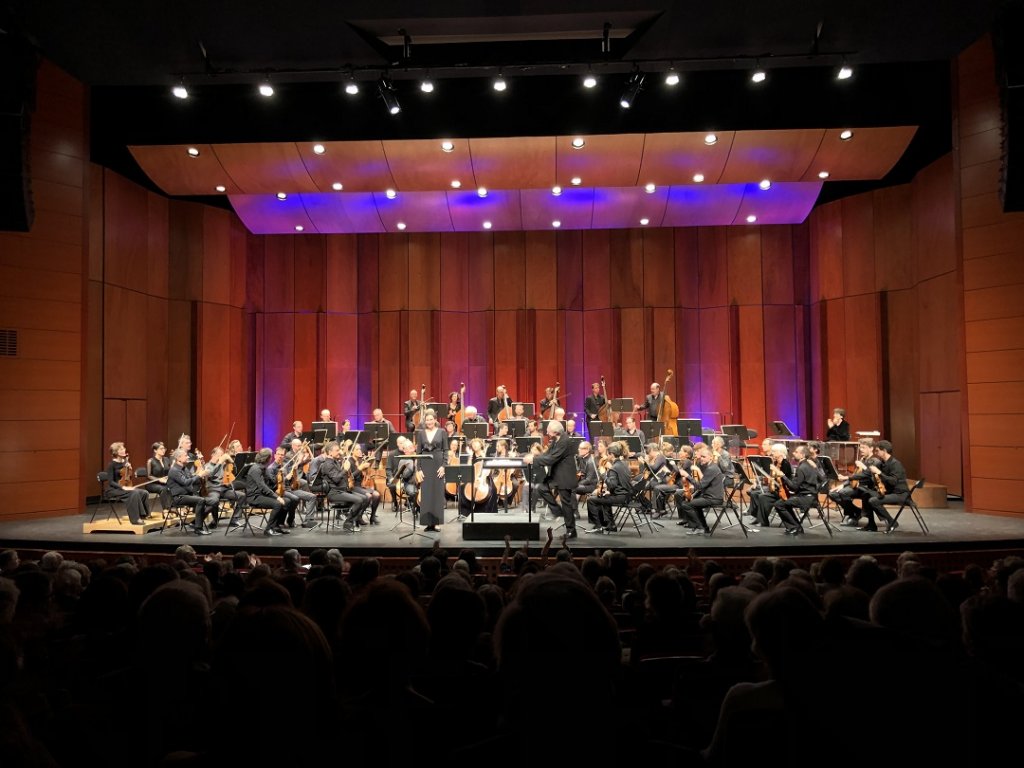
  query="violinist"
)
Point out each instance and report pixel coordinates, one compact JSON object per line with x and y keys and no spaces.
{"x":343,"y":488}
{"x":185,"y":443}
{"x":668,"y":479}
{"x":533,"y":428}
{"x":763,"y":498}
{"x":859,"y":485}
{"x":561,"y":464}
{"x":119,"y":487}
{"x":261,"y":493}
{"x":157,"y":467}
{"x":184,"y":482}
{"x":586,"y":470}
{"x":361,"y":465}
{"x":616,"y":490}
{"x":707,"y":492}
{"x":499,"y":406}
{"x":297,"y":461}
{"x":891,"y":483}
{"x":217,"y":488}
{"x":803,"y":492}
{"x":593,"y":403}
{"x":295,"y":433}
{"x":411,"y":407}
{"x":275,"y":475}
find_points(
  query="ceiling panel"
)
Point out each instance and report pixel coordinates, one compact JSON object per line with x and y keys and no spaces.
{"x":869,"y":154}
{"x":422,"y":164}
{"x":573,"y":209}
{"x":673,"y":158}
{"x":624,"y":207}
{"x":266,"y":215}
{"x":178,"y":173}
{"x":266,"y":168}
{"x":418,"y":211}
{"x":784,"y":203}
{"x":343,"y":212}
{"x":469,"y":211}
{"x":360,"y":166}
{"x":522,"y":162}
{"x":603,"y":161}
{"x":775,"y":155}
{"x":702,"y":206}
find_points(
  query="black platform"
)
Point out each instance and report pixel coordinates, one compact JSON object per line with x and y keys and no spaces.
{"x":497,"y":530}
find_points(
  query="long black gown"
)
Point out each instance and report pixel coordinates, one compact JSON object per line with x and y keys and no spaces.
{"x":432,"y":491}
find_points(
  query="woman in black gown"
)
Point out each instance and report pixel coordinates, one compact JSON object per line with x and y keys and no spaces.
{"x":432,"y":441}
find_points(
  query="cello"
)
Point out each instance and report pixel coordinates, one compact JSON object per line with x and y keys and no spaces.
{"x":669,"y":410}
{"x":454,"y":459}
{"x":480,"y":489}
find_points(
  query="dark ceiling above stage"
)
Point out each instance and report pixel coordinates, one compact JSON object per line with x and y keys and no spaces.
{"x":131,"y":51}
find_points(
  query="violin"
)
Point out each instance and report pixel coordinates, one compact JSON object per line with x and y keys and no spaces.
{"x":125,"y":480}
{"x":229,"y":471}
{"x":776,"y":484}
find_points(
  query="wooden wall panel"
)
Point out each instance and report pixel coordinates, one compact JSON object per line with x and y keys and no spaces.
{"x":659,"y":268}
{"x":569,"y":270}
{"x":715,"y":367}
{"x":576,"y":386}
{"x":279,"y":274}
{"x":934,"y":218}
{"x":509,"y":270}
{"x":751,"y":364}
{"x":997,"y":397}
{"x":480,"y":271}
{"x":425,"y":278}
{"x":342,"y":388}
{"x":864,"y":366}
{"x":637,"y":371}
{"x":893,"y":238}
{"x":827,"y":252}
{"x":626,"y":267}
{"x":303,"y":373}
{"x":393,"y":385}
{"x":712,"y":267}
{"x":744,"y":265}
{"x":344,"y":276}
{"x":781,"y":374}
{"x":124,"y":334}
{"x":308,"y":273}
{"x":858,"y":245}
{"x":688,"y":361}
{"x":596,"y":269}
{"x":777,"y":265}
{"x":687,"y":266}
{"x":216,"y":256}
{"x":540,"y":271}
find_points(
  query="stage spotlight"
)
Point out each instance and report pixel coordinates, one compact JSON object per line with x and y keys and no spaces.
{"x":390,"y":194}
{"x":387,"y":92}
{"x":337,"y":186}
{"x":845,"y":72}
{"x":649,"y":188}
{"x":556,"y":223}
{"x":299,"y":227}
{"x":221,"y":188}
{"x":644,"y":222}
{"x":698,"y":178}
{"x":266,"y":89}
{"x":282,"y":195}
{"x":633,"y":85}
{"x":427,"y":86}
{"x":447,"y":146}
{"x":846,"y":135}
{"x":319,"y":149}
{"x":576,"y":181}
{"x":751,"y":219}
{"x":671,"y":77}
{"x":456,"y":183}
{"x":765,"y":184}
{"x":193,"y":151}
{"x":556,"y":190}
{"x":481,"y":191}
{"x":499,"y":83}
{"x":487,"y":225}
{"x":711,"y":139}
{"x":180,"y":91}
{"x":823,"y":174}
{"x":758,"y":76}
{"x":400,"y":225}
{"x":351,"y":86}
{"x":579,"y":143}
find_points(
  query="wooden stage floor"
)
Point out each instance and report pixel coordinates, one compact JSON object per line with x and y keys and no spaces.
{"x":950,"y":529}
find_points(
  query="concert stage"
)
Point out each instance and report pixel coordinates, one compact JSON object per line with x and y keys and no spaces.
{"x":951,"y":530}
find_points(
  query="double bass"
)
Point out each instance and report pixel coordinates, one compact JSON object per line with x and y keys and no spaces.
{"x":462,"y":406}
{"x":605,"y":412}
{"x":669,"y":410}
{"x":417,"y":418}
{"x":549,"y":412}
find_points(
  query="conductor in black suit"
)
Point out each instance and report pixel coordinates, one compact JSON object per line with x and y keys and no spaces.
{"x":561,"y":463}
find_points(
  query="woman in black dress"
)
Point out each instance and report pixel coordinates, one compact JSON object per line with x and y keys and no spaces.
{"x":432,"y":441}
{"x":157,"y":467}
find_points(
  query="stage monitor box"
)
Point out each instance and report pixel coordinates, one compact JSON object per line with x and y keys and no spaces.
{"x":527,"y":409}
{"x":601,"y":429}
{"x":459,"y":473}
{"x":690,"y":428}
{"x":781,"y":429}
{"x":622,"y":404}
{"x":523,"y":444}
{"x":473,"y":430}
{"x":496,"y":531}
{"x":516,"y":427}
{"x":652,"y":430}
{"x":393,"y":439}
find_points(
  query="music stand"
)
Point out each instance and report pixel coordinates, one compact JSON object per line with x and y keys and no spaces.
{"x":527,"y":409}
{"x":601,"y":429}
{"x":622,"y":404}
{"x":830,"y":468}
{"x":416,"y":465}
{"x":782,"y":429}
{"x":516,"y":427}
{"x":652,"y":429}
{"x":376,"y":433}
{"x":690,"y":428}
{"x":739,"y":432}
{"x":634,"y":442}
{"x":329,"y":428}
{"x":475,"y":429}
{"x":524,"y":443}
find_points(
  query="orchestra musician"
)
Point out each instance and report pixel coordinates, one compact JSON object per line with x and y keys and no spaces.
{"x":586,"y":471}
{"x":653,"y":403}
{"x":667,"y":481}
{"x":295,"y":433}
{"x":378,"y":418}
{"x":533,"y":428}
{"x":432,"y":440}
{"x":454,"y":406}
{"x":803,"y":492}
{"x":570,"y":428}
{"x":763,"y":498}
{"x":519,"y":411}
{"x":325,"y":414}
{"x":121,"y":478}
{"x":561,"y":465}
{"x":505,"y":448}
{"x":449,"y":428}
{"x":278,"y":470}
{"x":157,"y":467}
{"x":405,"y":474}
{"x":391,"y":469}
{"x":838,"y":427}
{"x":545,"y":402}
{"x":618,"y":486}
{"x":297,"y":458}
{"x":472,"y":417}
{"x":859,"y":485}
{"x":707,"y":492}
{"x":411,"y":407}
{"x":183,"y":483}
{"x":335,"y":476}
{"x":629,"y":429}
{"x":891,"y":481}
{"x":361,"y":464}
{"x":216,"y":489}
{"x":592,"y":404}
{"x":497,"y":404}
{"x":483,"y":484}
{"x":260,"y":495}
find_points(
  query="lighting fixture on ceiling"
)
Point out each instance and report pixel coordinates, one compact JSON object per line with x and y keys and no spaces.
{"x":765,"y":184}
{"x":266,"y":89}
{"x":447,"y":146}
{"x":698,"y":177}
{"x":299,"y":227}
{"x":337,"y":186}
{"x":556,"y":223}
{"x":649,"y":188}
{"x":711,"y":139}
{"x":221,"y":188}
{"x":579,"y":142}
{"x":644,"y":221}
{"x":351,"y":86}
{"x":456,"y":183}
{"x":556,"y":190}
{"x":751,"y":219}
{"x":192,"y":152}
{"x":390,"y":194}
{"x":319,"y":149}
{"x":823,"y":174}
{"x":589,"y":81}
{"x":487,"y":225}
{"x":282,"y":196}
{"x":845,"y":72}
{"x":576,"y":181}
{"x":671,"y":77}
{"x":481,"y":191}
{"x":846,"y":135}
{"x":427,"y":85}
{"x":636,"y":80}
{"x":180,"y":91}
{"x":758,"y":76}
{"x":400,"y":225}
{"x":390,"y":96}
{"x":499,"y":83}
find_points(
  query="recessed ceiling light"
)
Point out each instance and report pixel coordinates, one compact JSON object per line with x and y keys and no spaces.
{"x":751,"y":219}
{"x":698,"y":177}
{"x":765,"y":184}
{"x":193,"y":152}
{"x":649,"y":188}
{"x":758,"y":76}
{"x":822,"y":174}
{"x":400,"y":225}
{"x":487,"y":225}
{"x":282,"y":196}
{"x":579,"y":143}
{"x":447,"y":146}
{"x":427,"y":86}
{"x":846,"y":135}
{"x":337,"y":186}
{"x":556,"y":223}
{"x":299,"y":227}
{"x":482,"y":191}
{"x":499,"y":83}
{"x":319,"y":149}
{"x":576,"y":181}
{"x":180,"y":91}
{"x":391,"y":194}
{"x":671,"y":77}
{"x":644,"y":221}
{"x":266,"y":89}
{"x":351,"y":87}
{"x":589,"y":81}
{"x":710,"y":139}
{"x":221,"y":188}
{"x":556,"y":190}
{"x":845,"y":72}
{"x":456,"y":183}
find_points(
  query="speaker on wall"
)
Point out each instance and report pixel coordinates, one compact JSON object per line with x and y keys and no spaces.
{"x":18,"y":62}
{"x":1008,"y":40}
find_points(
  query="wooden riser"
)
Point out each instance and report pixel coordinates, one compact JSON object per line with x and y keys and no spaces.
{"x":111,"y":525}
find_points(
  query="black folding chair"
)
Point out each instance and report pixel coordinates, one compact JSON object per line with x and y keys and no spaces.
{"x":805,"y":514}
{"x":909,"y":502}
{"x":106,"y":499}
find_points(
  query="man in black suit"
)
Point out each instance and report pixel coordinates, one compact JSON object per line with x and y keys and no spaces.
{"x":707,"y":492}
{"x":838,"y":427}
{"x":411,"y":407}
{"x":592,"y":405}
{"x":561,"y":463}
{"x":183,"y":485}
